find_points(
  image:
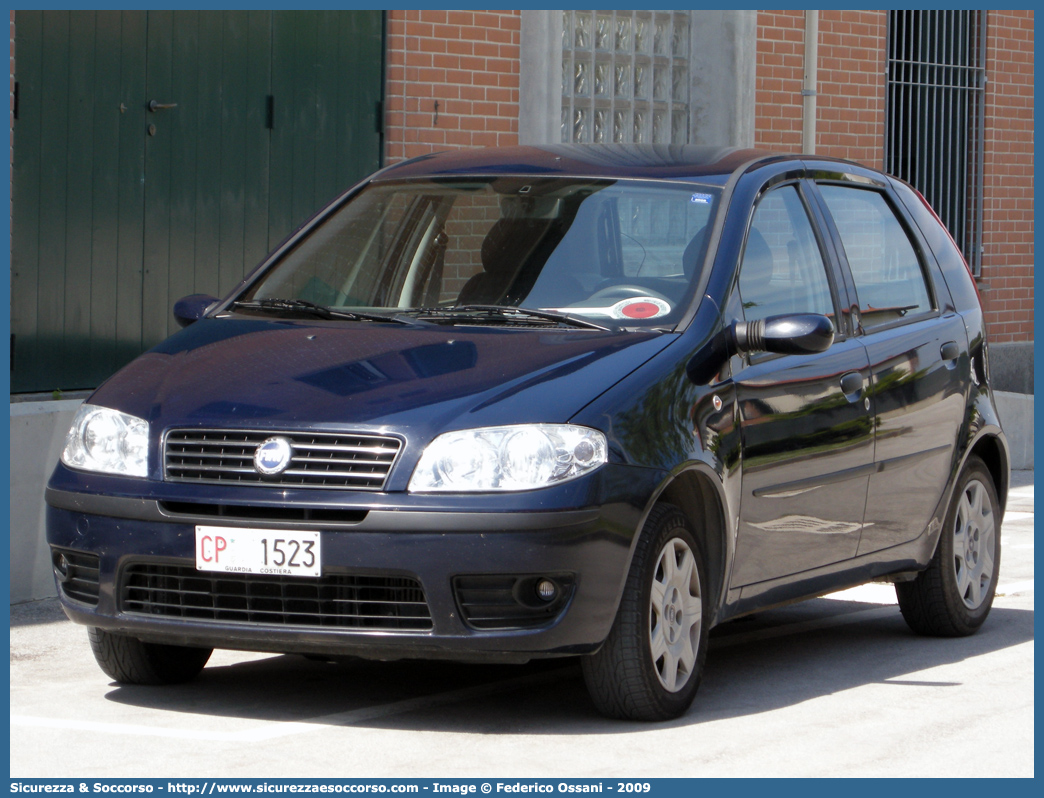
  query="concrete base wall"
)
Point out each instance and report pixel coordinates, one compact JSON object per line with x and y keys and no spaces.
{"x":37,"y":437}
{"x":1011,"y":367}
{"x":1016,"y":414}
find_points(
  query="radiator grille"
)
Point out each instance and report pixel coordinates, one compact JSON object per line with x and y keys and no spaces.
{"x":269,"y":514}
{"x":347,"y":601}
{"x":319,"y":460}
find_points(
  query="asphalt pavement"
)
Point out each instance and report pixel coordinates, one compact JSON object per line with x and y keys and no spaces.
{"x":836,"y":686}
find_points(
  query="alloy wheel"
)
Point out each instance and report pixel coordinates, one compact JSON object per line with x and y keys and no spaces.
{"x":974,"y":544}
{"x":675,"y":615}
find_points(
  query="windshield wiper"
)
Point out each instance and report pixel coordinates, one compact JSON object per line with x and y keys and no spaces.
{"x":311,"y":308}
{"x":506,"y":313}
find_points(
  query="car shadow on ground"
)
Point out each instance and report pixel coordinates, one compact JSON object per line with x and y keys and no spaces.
{"x":743,"y":676}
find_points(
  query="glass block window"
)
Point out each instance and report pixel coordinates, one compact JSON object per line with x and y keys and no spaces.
{"x":625,"y":77}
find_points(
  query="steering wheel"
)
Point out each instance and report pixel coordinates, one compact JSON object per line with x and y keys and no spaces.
{"x":626,"y":291}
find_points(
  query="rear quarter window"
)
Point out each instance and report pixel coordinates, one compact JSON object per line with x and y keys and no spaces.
{"x":951,"y":262}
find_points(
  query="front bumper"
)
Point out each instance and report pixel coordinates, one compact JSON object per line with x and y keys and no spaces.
{"x":591,"y":547}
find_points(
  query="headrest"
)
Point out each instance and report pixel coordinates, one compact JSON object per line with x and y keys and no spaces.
{"x":509,"y":242}
{"x":692,"y":252}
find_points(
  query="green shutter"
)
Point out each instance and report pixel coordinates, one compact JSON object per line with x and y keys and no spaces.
{"x":111,"y":225}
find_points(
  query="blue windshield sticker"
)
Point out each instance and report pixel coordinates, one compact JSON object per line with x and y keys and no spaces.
{"x":703,"y":199}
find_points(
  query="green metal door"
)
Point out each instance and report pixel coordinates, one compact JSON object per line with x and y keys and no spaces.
{"x":119,"y":209}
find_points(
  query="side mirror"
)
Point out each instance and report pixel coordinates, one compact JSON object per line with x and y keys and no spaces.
{"x":795,"y":334}
{"x":192,"y":308}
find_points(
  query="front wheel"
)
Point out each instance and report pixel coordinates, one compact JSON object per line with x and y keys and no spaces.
{"x":953,"y":595}
{"x":650,"y":665}
{"x":128,"y":660}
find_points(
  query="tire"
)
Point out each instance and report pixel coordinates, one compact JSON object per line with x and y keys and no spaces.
{"x":663,"y":610}
{"x":953,"y":596}
{"x":128,"y":660}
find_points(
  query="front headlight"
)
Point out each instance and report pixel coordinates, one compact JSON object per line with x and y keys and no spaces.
{"x":521,"y":457}
{"x":106,"y":440}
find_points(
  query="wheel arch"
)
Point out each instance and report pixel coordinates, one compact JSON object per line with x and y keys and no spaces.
{"x":990,"y":449}
{"x":989,"y":445}
{"x":697,"y":492}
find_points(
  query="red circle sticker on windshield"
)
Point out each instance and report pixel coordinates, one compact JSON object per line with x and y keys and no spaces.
{"x":640,"y":308}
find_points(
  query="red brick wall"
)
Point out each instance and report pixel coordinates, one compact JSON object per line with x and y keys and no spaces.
{"x":468,"y":62}
{"x":851,"y":117}
{"x":1007,"y":262}
{"x":850,"y":92}
{"x":777,"y":98}
{"x":851,"y":101}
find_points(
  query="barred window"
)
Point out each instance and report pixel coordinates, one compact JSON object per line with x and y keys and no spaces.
{"x":625,"y":77}
{"x":935,"y":98}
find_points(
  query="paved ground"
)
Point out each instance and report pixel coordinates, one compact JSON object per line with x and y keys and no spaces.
{"x":832,"y":687}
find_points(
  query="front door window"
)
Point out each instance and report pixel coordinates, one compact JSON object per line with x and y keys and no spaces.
{"x":783,"y":269}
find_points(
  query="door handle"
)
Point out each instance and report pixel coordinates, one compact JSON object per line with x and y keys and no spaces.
{"x":155,"y":106}
{"x":852,"y":383}
{"x":949,"y":350}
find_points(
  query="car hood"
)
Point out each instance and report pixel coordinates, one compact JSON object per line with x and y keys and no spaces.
{"x":418,"y":380}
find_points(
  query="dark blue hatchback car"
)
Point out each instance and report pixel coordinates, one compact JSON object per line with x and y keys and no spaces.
{"x":534,"y":402}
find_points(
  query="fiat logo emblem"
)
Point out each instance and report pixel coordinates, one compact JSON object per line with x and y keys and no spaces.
{"x":272,"y":456}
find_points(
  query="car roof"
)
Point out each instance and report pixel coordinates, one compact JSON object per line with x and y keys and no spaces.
{"x":678,"y":162}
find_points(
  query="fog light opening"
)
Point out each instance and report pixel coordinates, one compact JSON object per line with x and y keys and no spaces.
{"x":546,"y":590}
{"x":61,"y":566}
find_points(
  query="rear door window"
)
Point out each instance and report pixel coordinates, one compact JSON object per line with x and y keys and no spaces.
{"x":888,"y":273}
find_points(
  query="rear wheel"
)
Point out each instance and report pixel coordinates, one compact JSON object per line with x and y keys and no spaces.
{"x":953,"y":596}
{"x":650,"y":665}
{"x":128,"y":660}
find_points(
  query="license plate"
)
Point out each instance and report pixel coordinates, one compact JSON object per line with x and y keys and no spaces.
{"x":257,"y":551}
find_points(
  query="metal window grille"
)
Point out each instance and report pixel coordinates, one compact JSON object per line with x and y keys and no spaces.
{"x":935,"y":115}
{"x":625,"y":77}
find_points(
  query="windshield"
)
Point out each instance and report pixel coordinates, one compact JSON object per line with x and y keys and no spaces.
{"x":619,"y":251}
